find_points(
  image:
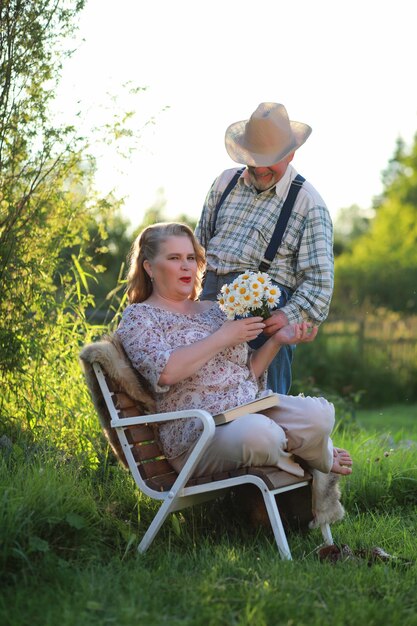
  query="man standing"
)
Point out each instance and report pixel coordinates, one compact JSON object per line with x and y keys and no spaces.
{"x":267,"y":217}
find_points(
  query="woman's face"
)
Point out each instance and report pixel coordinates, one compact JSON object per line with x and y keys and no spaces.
{"x":174,"y":269}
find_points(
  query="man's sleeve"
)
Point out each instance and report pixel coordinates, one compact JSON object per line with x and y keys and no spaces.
{"x":204,"y":226}
{"x":314,"y":270}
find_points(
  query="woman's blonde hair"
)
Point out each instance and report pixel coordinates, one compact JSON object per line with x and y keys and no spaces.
{"x":146,"y":247}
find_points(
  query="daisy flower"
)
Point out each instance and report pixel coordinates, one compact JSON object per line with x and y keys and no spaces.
{"x":251,"y":293}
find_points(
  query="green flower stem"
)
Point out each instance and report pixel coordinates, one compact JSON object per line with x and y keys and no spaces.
{"x":263,"y":311}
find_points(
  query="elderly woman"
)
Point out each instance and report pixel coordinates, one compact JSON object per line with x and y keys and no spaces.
{"x":194,"y":357}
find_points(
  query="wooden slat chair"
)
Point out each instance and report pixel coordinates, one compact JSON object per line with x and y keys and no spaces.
{"x":130,"y":426}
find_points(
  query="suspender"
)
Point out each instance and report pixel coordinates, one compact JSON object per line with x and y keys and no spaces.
{"x":281,"y":224}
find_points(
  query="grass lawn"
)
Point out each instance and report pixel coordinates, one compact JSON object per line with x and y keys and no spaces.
{"x":68,"y":557}
{"x":399,"y":419}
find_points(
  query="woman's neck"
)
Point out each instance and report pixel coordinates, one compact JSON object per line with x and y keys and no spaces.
{"x":179,"y":306}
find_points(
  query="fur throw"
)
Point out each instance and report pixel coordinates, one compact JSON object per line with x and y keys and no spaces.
{"x":109,"y":353}
{"x":326,"y":499}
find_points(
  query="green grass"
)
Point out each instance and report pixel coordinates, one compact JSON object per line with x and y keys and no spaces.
{"x":220,"y":582}
{"x":400,"y":419}
{"x":69,"y":534}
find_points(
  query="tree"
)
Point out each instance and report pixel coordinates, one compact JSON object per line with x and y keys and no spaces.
{"x":48,"y":209}
{"x":351,"y":222}
{"x":43,"y":175}
{"x":381,"y":267}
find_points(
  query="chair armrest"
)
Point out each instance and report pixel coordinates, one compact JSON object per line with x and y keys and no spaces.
{"x":153,"y":418}
{"x":209,"y":428}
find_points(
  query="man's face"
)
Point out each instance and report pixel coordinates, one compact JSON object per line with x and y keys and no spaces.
{"x":263,"y":178}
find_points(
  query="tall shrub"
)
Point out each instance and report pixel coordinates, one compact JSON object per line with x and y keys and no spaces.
{"x":46,"y":210}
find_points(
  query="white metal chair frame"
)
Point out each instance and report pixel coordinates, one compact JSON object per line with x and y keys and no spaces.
{"x":179,"y":495}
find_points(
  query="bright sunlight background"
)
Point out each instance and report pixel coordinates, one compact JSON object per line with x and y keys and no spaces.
{"x":345,"y":68}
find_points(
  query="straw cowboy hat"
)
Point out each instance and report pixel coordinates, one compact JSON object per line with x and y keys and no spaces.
{"x":266,"y":138}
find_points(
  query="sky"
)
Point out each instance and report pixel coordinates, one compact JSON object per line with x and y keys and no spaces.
{"x":345,"y":68}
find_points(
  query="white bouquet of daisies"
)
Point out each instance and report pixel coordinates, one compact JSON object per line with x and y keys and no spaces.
{"x":251,"y":293}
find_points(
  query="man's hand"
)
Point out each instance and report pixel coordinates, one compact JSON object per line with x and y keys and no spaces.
{"x":293,"y":334}
{"x":277,"y":320}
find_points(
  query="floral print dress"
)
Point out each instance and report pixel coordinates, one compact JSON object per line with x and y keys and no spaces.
{"x":150,"y":334}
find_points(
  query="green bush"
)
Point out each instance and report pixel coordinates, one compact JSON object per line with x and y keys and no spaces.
{"x":337,"y":365}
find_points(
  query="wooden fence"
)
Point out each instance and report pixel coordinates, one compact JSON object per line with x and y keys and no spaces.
{"x":392,"y":335}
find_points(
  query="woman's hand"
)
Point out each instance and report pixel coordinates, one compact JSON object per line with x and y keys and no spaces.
{"x":234,"y":332}
{"x":295,"y":333}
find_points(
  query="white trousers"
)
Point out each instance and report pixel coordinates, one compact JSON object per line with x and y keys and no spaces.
{"x":297,"y":426}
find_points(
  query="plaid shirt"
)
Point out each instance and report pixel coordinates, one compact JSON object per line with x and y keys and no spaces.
{"x":244,"y":227}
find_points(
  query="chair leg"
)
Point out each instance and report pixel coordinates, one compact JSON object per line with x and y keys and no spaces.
{"x":277,"y":527}
{"x":327,"y":534}
{"x":156,"y":524}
